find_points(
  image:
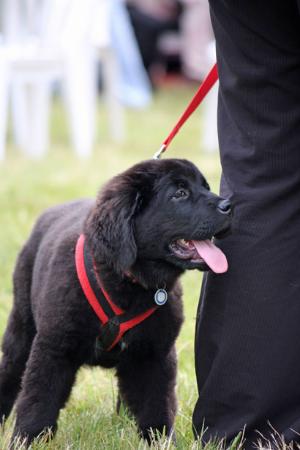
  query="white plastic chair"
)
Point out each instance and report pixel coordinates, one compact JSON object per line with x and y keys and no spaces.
{"x":48,"y":40}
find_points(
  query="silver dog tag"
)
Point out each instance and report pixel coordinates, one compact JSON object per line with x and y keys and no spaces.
{"x":160,"y":297}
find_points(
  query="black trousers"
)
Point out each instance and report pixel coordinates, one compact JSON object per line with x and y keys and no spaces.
{"x":247,"y":343}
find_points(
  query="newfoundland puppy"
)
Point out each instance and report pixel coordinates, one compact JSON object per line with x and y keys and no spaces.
{"x":146,"y":227}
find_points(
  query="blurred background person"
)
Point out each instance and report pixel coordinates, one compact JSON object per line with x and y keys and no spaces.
{"x":151,"y":20}
{"x":196,"y":38}
{"x":173,"y":33}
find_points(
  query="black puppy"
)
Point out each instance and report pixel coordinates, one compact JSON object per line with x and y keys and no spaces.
{"x":146,"y":227}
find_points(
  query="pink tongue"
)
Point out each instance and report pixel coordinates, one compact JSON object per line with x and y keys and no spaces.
{"x":212,"y":255}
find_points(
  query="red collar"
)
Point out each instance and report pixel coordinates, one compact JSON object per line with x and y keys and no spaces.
{"x":115,"y":321}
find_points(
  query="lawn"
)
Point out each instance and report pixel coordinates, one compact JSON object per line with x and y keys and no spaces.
{"x":27,"y":187}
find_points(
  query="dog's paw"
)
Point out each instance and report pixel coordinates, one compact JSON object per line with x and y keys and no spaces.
{"x":153,"y":434}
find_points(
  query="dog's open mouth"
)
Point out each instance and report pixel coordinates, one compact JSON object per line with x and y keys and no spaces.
{"x":200,"y":252}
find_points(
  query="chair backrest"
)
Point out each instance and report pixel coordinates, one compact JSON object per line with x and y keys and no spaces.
{"x":56,"y":23}
{"x":75,"y":22}
{"x":13,"y":20}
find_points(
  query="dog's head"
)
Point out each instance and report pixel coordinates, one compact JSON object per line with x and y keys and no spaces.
{"x":159,"y":211}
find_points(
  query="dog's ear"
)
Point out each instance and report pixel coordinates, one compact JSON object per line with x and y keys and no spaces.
{"x":110,"y":227}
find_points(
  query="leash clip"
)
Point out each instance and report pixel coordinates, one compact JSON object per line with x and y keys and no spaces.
{"x":159,"y":152}
{"x":202,"y":91}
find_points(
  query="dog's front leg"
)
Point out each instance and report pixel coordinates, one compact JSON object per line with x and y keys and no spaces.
{"x":47,"y":382}
{"x":147,"y":386}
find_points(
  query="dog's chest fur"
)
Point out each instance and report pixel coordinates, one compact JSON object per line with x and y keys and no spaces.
{"x":151,"y":338}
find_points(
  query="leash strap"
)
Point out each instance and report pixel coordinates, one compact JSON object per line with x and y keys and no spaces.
{"x":204,"y":88}
{"x":115,"y":322}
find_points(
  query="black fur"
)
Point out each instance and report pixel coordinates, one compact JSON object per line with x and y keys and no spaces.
{"x":52,"y":329}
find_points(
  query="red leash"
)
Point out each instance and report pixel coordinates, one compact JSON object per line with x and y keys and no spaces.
{"x":204,"y":88}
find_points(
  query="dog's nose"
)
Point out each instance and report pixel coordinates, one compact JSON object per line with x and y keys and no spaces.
{"x":224,"y":207}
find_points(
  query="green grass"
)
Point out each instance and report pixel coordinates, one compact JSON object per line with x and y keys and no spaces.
{"x":27,"y":187}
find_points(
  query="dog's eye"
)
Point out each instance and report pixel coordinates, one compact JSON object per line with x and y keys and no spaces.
{"x":181,"y":193}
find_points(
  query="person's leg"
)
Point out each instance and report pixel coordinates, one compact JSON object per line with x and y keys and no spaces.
{"x":248,"y":334}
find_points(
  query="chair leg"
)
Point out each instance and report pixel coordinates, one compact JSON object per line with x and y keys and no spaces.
{"x":19,"y":114}
{"x":4,"y":87}
{"x":210,"y":141}
{"x":31,"y":105}
{"x":80,"y":93}
{"x":114,"y":107}
{"x":38,"y":142}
